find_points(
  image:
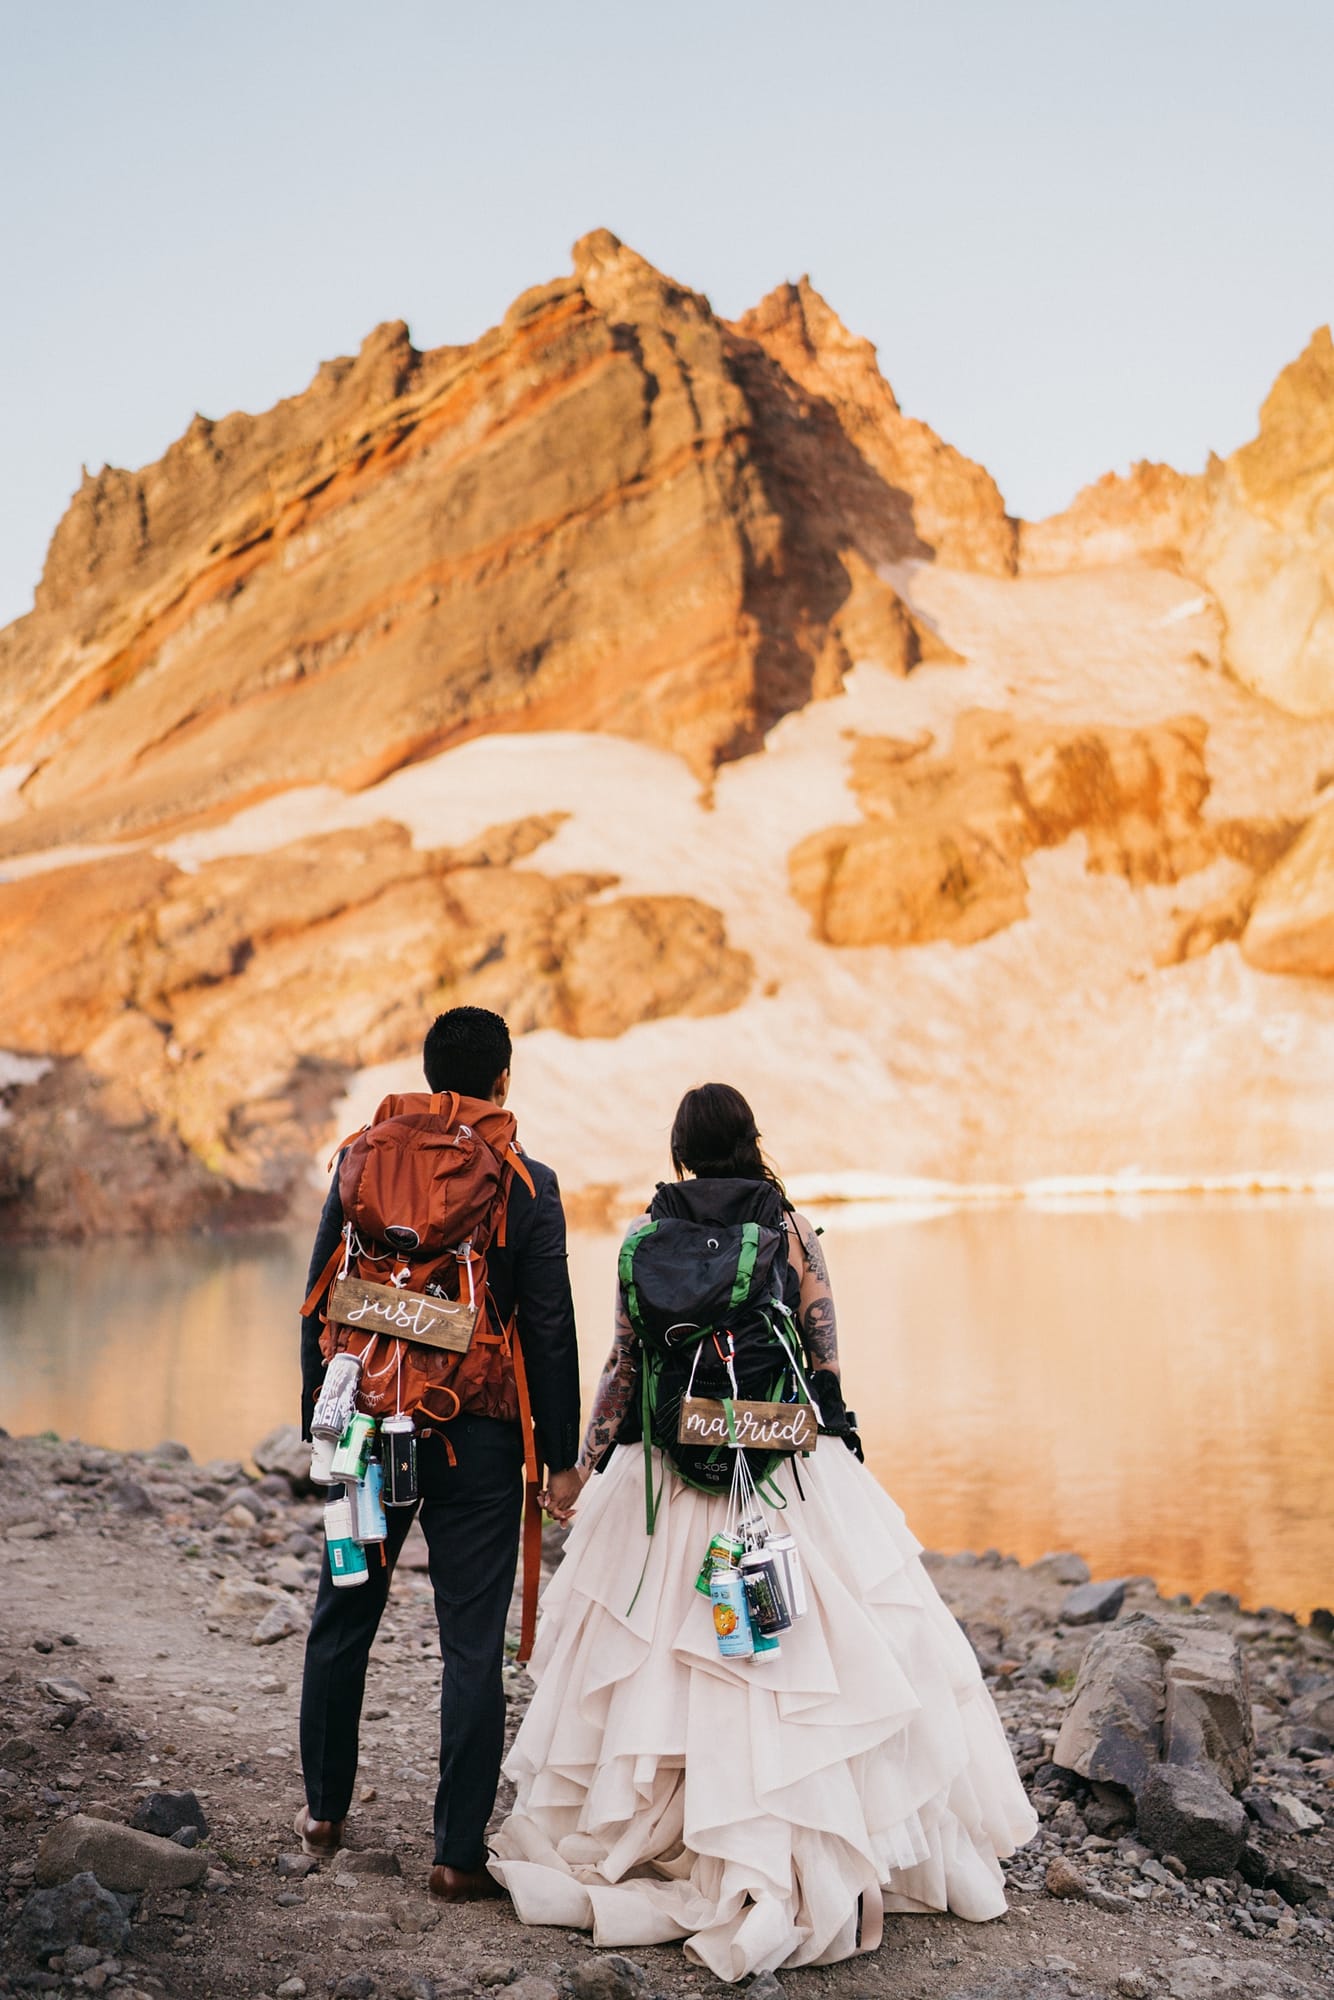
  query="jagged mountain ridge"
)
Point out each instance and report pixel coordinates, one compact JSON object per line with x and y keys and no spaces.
{"x":445,"y":680}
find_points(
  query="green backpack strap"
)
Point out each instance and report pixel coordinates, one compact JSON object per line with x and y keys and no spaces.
{"x":625,"y":1271}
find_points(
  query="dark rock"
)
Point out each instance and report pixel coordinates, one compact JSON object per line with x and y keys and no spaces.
{"x":282,"y":1451}
{"x":1322,"y":1622}
{"x":1112,"y":1730}
{"x":1063,"y":1879}
{"x":130,"y":1495}
{"x":1110,"y":1809}
{"x":1261,"y":1808}
{"x":1093,"y":1603}
{"x":77,"y":1912}
{"x":610,"y":1977}
{"x":1061,"y":1566}
{"x":166,"y":1813}
{"x":1294,"y":1885}
{"x":766,"y":1986}
{"x":417,"y":1986}
{"x":172,"y":1451}
{"x":121,"y":1857}
{"x":1187,"y":1813}
{"x":494,"y":1972}
{"x":355,"y":1986}
{"x":185,"y":1836}
{"x":1219,"y":1600}
{"x":297,"y":1865}
{"x":369,"y":1861}
{"x":69,"y":1693}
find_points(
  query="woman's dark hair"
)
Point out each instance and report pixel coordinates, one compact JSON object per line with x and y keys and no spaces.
{"x":715,"y":1137}
{"x":466,"y":1050}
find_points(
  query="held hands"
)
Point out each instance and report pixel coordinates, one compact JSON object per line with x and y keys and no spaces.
{"x":561,"y":1493}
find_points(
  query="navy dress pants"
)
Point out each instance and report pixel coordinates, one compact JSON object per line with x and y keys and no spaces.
{"x":470,"y":1515}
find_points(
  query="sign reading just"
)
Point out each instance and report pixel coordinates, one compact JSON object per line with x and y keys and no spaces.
{"x":415,"y":1316}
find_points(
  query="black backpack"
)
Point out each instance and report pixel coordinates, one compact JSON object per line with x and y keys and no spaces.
{"x":710,"y":1261}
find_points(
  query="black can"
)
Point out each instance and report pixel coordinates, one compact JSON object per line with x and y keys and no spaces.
{"x":398,"y":1453}
{"x":765,"y":1598}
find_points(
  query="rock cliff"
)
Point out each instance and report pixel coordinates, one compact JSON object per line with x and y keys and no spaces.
{"x":657,"y":680}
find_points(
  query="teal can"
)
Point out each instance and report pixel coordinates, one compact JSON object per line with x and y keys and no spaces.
{"x":731,"y":1619}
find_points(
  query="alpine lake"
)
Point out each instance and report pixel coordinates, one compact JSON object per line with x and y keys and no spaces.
{"x":1151,"y":1385}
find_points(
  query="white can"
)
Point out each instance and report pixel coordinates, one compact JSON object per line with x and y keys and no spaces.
{"x":788,"y":1557}
{"x":321,"y":1460}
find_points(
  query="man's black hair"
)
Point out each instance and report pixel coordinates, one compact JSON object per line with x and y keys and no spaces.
{"x":466,"y":1049}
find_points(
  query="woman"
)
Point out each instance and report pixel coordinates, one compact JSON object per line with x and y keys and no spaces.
{"x":765,"y":1813}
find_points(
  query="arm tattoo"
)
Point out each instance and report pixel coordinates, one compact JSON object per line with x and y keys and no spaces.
{"x":819,"y":1333}
{"x":815,"y":1262}
{"x":615,"y":1384}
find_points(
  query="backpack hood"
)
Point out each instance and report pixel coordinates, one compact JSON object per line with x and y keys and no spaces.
{"x":724,"y":1201}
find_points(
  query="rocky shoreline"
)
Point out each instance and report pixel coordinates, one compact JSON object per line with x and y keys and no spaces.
{"x":1180,"y":1758}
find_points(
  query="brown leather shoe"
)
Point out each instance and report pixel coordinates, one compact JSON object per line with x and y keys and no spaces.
{"x":323,"y":1837}
{"x":462,"y":1885}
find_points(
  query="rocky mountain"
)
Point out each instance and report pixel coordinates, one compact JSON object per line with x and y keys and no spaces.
{"x":656,"y":679}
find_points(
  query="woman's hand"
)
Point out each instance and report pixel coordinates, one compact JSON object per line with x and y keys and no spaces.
{"x":560,"y":1495}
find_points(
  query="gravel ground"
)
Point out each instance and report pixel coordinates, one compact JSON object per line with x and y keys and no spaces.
{"x":135,"y":1590}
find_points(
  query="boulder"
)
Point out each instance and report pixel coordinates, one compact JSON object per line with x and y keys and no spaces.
{"x":1206,"y":1709}
{"x":1093,"y":1603}
{"x":1112,"y":1730}
{"x":280,"y":1621}
{"x":120,"y":1857}
{"x":165,"y":1813}
{"x":285,"y":1451}
{"x":77,"y":1912}
{"x":240,"y":1597}
{"x":1188,"y":1813}
{"x":1154,"y":1690}
{"x":1061,"y":1566}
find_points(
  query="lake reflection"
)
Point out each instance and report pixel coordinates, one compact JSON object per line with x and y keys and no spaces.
{"x":1153,"y":1389}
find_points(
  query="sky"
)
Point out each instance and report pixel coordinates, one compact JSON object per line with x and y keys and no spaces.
{"x":1080,"y":232}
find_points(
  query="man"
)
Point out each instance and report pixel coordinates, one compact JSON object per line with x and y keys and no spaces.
{"x":470,"y":1477}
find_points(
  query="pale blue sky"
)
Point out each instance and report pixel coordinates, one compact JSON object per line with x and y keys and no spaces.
{"x":1079,"y":231}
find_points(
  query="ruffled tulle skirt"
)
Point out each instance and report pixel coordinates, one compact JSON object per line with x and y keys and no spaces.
{"x":765,"y":1813}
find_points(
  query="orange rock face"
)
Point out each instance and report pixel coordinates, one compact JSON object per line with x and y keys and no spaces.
{"x":941,"y":851}
{"x":596,"y":516}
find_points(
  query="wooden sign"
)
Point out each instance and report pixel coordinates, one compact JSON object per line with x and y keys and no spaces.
{"x":759,"y":1426}
{"x":403,"y":1315}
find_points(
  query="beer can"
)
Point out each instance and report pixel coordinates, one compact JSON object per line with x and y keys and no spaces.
{"x":349,"y":1460}
{"x":731,"y":1620}
{"x":367,"y":1504}
{"x":788,"y":1557}
{"x":347,"y":1562}
{"x":726,"y":1549}
{"x":338,"y":1396}
{"x":764,"y":1593}
{"x":321,"y":1460}
{"x":768,"y":1646}
{"x":398,"y":1448}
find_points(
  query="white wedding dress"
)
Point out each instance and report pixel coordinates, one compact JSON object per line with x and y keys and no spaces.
{"x":764,"y":1813}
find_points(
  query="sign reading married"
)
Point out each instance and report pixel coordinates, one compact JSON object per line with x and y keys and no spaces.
{"x":759,"y":1426}
{"x":406,"y":1315}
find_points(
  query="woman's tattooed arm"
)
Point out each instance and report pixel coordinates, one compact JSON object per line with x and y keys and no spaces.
{"x":815,"y":1317}
{"x":612,"y":1399}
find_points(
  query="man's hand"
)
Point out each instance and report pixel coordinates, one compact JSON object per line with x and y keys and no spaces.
{"x":561,"y":1493}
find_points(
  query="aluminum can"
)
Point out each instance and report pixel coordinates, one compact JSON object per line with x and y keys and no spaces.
{"x":349,"y":1460}
{"x":765,"y":1599}
{"x":726,"y":1549}
{"x":367,"y":1503}
{"x":338,"y":1396}
{"x":398,"y":1448}
{"x":347,"y":1562}
{"x":321,"y":1460}
{"x":731,"y":1620}
{"x":788,"y":1557}
{"x":768,"y":1646}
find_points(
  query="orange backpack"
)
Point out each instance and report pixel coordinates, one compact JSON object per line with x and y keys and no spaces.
{"x":425,"y":1189}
